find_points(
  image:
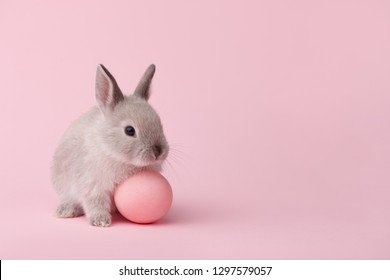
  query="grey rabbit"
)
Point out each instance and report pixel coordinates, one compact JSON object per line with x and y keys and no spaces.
{"x":120,"y":136}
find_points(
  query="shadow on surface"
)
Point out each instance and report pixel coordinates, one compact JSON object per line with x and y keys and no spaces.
{"x":177,"y":215}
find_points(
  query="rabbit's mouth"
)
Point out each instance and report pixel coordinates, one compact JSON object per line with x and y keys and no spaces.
{"x":146,"y":163}
{"x":153,"y":155}
{"x":149,"y":159}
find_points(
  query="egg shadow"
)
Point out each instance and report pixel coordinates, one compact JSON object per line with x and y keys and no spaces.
{"x":177,"y":215}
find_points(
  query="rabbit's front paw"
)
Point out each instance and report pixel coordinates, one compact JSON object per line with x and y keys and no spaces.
{"x":101,"y":220}
{"x":68,"y":210}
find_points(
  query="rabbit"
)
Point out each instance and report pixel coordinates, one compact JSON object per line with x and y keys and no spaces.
{"x":120,"y":136}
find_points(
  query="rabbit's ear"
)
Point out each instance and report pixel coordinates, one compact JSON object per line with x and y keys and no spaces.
{"x":143,"y":88}
{"x":108,"y":94}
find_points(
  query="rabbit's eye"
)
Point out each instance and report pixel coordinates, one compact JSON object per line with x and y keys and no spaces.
{"x":129,"y":130}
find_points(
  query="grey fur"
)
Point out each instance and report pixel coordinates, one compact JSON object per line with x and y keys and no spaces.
{"x":95,"y":154}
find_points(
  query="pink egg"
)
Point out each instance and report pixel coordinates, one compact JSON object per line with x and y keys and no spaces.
{"x":144,"y":197}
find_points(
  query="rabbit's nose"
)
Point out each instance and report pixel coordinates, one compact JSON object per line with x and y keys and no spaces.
{"x":157,"y":150}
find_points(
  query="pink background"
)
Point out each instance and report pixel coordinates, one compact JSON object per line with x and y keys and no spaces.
{"x":278,"y":113}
